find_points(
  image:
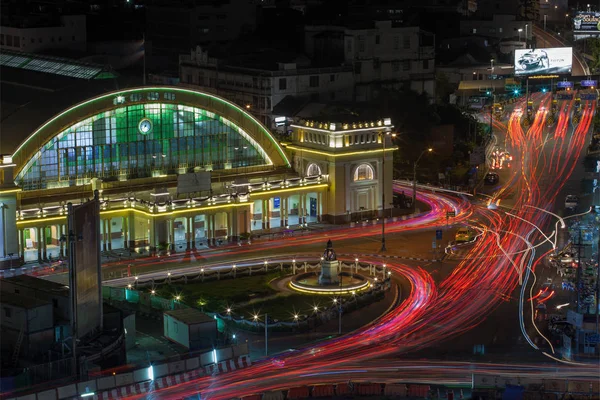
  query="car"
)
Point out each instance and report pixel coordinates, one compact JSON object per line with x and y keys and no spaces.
{"x":534,"y":59}
{"x":500,"y":159}
{"x":464,"y":234}
{"x":571,"y":202}
{"x":491,"y":178}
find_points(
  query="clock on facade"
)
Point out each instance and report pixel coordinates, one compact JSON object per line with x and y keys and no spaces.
{"x":145,"y":126}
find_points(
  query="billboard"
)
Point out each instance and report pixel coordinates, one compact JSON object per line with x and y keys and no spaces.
{"x":193,"y":182}
{"x":84,"y":222}
{"x":586,"y":22}
{"x":555,"y":60}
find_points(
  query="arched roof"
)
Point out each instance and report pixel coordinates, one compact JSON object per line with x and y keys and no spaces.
{"x":166,"y":94}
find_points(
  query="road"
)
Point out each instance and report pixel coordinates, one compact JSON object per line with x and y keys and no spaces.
{"x":503,"y":260}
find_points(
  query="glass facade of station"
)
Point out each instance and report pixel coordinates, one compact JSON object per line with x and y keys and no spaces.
{"x":140,"y":140}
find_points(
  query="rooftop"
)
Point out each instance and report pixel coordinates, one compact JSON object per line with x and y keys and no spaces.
{"x":39,"y":284}
{"x":190,"y":316}
{"x":20,"y":301}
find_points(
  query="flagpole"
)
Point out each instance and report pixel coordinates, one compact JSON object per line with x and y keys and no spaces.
{"x":144,"y":47}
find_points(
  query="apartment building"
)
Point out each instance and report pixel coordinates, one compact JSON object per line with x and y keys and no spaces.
{"x":380,"y":53}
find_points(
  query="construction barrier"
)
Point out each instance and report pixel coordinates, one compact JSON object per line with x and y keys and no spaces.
{"x":323,"y":391}
{"x":252,"y":397}
{"x":274,"y":395}
{"x":418,"y":391}
{"x":342,"y":389}
{"x":369,"y":389}
{"x":137,"y":382}
{"x":397,"y":390}
{"x":299,"y":392}
{"x":555,"y":385}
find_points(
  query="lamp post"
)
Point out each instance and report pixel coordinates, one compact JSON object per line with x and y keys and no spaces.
{"x":414,"y":196}
{"x":383,"y":139}
{"x":545,"y":18}
{"x":526,"y":36}
{"x":520,"y":30}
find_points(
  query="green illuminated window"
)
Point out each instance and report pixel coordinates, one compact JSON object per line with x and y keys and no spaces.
{"x":110,"y":145}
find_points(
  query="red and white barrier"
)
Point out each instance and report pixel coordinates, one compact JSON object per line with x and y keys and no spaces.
{"x":228,"y":366}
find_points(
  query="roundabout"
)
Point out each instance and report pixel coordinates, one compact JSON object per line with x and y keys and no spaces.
{"x":331,"y":279}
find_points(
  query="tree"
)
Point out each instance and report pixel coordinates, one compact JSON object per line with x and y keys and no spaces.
{"x":593,"y":48}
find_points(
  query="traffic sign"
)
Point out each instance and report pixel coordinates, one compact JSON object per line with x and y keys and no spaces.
{"x":450,"y":214}
{"x":438,"y":234}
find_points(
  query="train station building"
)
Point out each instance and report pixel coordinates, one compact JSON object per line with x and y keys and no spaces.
{"x":178,"y":169}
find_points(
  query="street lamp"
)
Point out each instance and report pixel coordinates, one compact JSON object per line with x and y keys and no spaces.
{"x":520,"y":30}
{"x":414,"y":196}
{"x":383,"y":139}
{"x":492,"y":66}
{"x":526,"y":36}
{"x":545,"y":18}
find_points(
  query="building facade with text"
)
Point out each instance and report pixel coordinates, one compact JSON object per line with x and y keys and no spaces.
{"x":179,"y":169}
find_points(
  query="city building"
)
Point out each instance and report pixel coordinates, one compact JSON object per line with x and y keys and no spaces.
{"x":173,"y":28}
{"x":180,"y":169}
{"x":381,"y":54}
{"x":37,"y":34}
{"x":261,"y":80}
{"x":500,"y":26}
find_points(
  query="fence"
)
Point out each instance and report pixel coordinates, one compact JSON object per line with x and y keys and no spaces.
{"x":148,"y":302}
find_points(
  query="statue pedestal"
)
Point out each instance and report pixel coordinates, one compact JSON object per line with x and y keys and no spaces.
{"x":329,"y":273}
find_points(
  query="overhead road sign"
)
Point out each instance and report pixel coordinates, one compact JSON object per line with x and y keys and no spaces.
{"x":564,"y":84}
{"x":589,"y":83}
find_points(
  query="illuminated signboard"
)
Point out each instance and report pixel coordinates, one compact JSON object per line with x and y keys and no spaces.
{"x":588,"y":83}
{"x":548,"y":61}
{"x":586,"y":22}
{"x":564,"y":85}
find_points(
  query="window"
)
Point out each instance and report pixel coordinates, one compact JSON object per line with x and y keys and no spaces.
{"x":73,"y":38}
{"x":406,"y":42}
{"x":361,"y":43}
{"x":314,"y":81}
{"x":377,"y":39}
{"x":331,"y":78}
{"x":40,"y":40}
{"x":406,"y":65}
{"x":55,"y":303}
{"x":169,"y":96}
{"x":60,"y":38}
{"x":376,"y":63}
{"x":17,"y":41}
{"x":17,"y":291}
{"x":282,"y":84}
{"x":396,"y":43}
{"x":364,"y":172}
{"x":7,"y":312}
{"x":32,"y":40}
{"x":425,"y":64}
{"x":349,"y":45}
{"x":395,"y":66}
{"x":500,"y":30}
{"x":474,"y":30}
{"x":1,"y":38}
{"x":357,"y":67}
{"x":9,"y":40}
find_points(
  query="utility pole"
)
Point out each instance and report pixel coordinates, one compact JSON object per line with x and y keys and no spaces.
{"x":266,"y":334}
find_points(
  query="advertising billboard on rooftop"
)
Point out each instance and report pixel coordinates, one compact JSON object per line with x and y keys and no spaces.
{"x":555,"y":60}
{"x":586,"y":22}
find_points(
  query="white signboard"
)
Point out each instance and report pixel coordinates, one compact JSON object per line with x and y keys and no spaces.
{"x":555,"y":60}
{"x":193,"y":182}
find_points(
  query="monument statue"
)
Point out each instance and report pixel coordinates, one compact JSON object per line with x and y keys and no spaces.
{"x":329,"y":254}
{"x":329,"y":267}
